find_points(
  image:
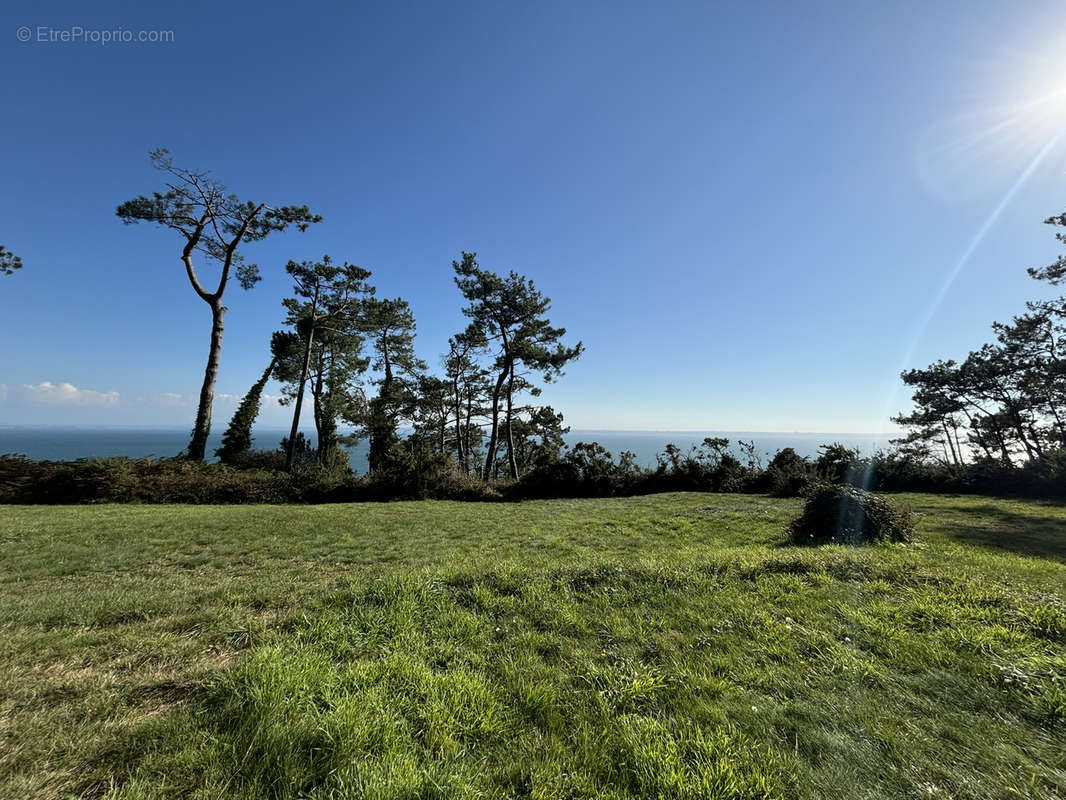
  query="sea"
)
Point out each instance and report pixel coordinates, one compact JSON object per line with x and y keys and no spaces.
{"x":69,"y":443}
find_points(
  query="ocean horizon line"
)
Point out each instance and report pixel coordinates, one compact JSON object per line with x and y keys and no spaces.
{"x":655,"y":431}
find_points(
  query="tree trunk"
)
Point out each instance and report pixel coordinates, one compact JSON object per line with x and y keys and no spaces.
{"x":510,"y":437}
{"x":983,"y":444}
{"x":469,"y":420}
{"x":494,"y":430}
{"x":443,"y":425}
{"x":1003,"y":449}
{"x":977,"y":432}
{"x":290,"y":451}
{"x":316,"y":393}
{"x":1058,"y":419}
{"x":1019,"y":428}
{"x":958,"y":444}
{"x":381,"y":429}
{"x":262,"y":382}
{"x":459,"y":427}
{"x":1036,"y":442}
{"x":327,"y":430}
{"x":947,"y":433}
{"x":198,"y":444}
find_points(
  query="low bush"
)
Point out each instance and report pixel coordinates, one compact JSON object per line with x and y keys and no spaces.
{"x":788,"y":475}
{"x":125,"y":480}
{"x":258,"y":459}
{"x":586,"y":469}
{"x":849,"y":515}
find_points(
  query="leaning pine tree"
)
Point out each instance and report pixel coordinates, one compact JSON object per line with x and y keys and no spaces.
{"x":237,"y":439}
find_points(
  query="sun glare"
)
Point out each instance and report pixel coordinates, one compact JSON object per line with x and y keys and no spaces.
{"x":1012,"y":113}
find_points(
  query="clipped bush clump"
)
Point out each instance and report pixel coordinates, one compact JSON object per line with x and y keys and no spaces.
{"x":849,"y":515}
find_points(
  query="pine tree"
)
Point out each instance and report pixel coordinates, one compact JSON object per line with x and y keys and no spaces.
{"x":512,"y":314}
{"x":237,"y":439}
{"x":390,"y":326}
{"x":213,"y":223}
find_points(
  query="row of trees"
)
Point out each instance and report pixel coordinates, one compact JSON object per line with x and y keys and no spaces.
{"x":473,"y":414}
{"x":476,"y":413}
{"x":1004,"y":402}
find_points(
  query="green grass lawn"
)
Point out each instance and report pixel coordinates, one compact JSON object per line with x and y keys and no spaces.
{"x":666,"y":646}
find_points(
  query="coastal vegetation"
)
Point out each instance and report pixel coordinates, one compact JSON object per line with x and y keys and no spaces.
{"x":472,"y":428}
{"x":994,"y":422}
{"x":584,"y":470}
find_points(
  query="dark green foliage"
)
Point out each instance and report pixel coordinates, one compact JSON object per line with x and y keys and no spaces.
{"x":838,"y":464}
{"x":849,"y":515}
{"x":381,"y":431}
{"x":469,"y":392}
{"x":258,"y":459}
{"x":1054,"y":273}
{"x":788,"y":474}
{"x":257,"y":477}
{"x":303,"y":451}
{"x":210,"y":217}
{"x":592,"y":463}
{"x":412,"y":469}
{"x":708,"y":467}
{"x":9,"y":262}
{"x":537,"y":438}
{"x":237,"y":439}
{"x":390,"y":326}
{"x":585,"y":470}
{"x":901,"y":471}
{"x":125,"y":480}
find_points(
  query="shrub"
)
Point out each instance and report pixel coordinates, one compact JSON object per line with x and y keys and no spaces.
{"x":23,"y":480}
{"x":788,"y":475}
{"x":258,"y":459}
{"x":708,"y":467}
{"x":839,"y":464}
{"x":124,"y":480}
{"x":180,"y":481}
{"x":411,"y":470}
{"x":849,"y":515}
{"x":586,"y":469}
{"x":303,"y":452}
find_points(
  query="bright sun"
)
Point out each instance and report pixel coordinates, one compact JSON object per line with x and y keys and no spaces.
{"x":1008,"y":121}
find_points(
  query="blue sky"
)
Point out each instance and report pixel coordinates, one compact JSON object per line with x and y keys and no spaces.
{"x":748,"y":213}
